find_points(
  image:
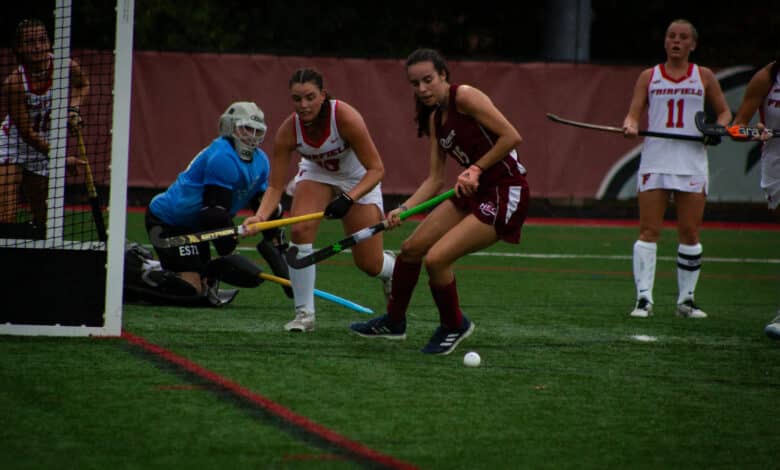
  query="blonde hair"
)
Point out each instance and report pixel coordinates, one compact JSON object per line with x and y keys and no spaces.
{"x":694,"y":31}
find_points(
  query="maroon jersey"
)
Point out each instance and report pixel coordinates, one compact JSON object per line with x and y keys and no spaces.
{"x":502,"y":197}
{"x":466,"y":140}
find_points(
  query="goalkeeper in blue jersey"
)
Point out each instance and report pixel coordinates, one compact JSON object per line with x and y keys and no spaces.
{"x":230,"y":174}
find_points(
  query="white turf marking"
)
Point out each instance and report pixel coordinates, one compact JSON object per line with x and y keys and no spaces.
{"x":498,"y":254}
{"x":644,"y":338}
{"x":624,"y":257}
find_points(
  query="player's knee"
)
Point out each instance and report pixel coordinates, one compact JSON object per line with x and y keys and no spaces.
{"x":300,"y":233}
{"x":412,"y":251}
{"x":649,"y":234}
{"x":688,"y":237}
{"x":436,"y":261}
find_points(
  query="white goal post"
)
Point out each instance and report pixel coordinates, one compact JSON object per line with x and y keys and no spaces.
{"x":67,"y":278}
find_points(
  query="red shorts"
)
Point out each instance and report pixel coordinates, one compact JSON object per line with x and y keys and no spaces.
{"x":504,"y":206}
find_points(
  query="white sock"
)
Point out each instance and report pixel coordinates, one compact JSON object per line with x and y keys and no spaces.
{"x":644,"y":268}
{"x":303,"y":280}
{"x":688,"y":269}
{"x":388,"y":264}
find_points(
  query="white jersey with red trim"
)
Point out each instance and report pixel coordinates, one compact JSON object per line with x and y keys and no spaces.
{"x":332,"y":153}
{"x":672,"y":105}
{"x":13,"y":149}
{"x":770,"y":153}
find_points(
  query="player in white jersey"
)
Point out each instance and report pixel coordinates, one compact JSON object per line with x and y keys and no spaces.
{"x":672,"y":92}
{"x":763,"y":95}
{"x":24,"y":132}
{"x":339,"y":159}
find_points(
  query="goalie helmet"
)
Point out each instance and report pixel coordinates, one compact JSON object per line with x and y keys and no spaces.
{"x":245,"y":123}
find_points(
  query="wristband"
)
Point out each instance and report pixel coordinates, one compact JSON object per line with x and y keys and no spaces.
{"x":403,"y":208}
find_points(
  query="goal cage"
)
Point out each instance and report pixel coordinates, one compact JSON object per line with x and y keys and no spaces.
{"x":61,"y":248}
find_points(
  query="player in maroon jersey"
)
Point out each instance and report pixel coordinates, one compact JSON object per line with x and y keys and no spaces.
{"x":490,"y":205}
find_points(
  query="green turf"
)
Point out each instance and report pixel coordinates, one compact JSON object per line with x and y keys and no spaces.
{"x":562,"y":384}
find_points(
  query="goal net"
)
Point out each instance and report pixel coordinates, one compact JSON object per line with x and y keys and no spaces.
{"x":64,"y":105}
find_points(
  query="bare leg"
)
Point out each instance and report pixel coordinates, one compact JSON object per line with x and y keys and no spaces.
{"x":10,"y":179}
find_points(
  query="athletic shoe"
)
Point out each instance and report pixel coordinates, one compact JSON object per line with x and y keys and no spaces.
{"x":387,"y":284}
{"x":303,"y":321}
{"x":380,"y":327}
{"x":773,"y":329}
{"x":444,"y":340}
{"x":688,"y":309}
{"x":643,"y":308}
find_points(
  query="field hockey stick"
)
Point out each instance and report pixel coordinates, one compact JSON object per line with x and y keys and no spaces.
{"x":618,"y":130}
{"x":209,"y":235}
{"x":323,"y":295}
{"x":291,"y":255}
{"x":738,"y":133}
{"x":94,"y":202}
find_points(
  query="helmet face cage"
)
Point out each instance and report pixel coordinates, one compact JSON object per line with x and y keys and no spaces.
{"x":245,"y":122}
{"x":249,"y":135}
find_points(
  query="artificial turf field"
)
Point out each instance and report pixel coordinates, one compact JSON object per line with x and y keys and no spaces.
{"x":563,"y":383}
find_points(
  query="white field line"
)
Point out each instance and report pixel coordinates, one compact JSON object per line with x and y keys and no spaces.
{"x":705,"y":259}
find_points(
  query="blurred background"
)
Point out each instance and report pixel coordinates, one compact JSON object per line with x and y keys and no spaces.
{"x":576,"y":58}
{"x":597,"y":31}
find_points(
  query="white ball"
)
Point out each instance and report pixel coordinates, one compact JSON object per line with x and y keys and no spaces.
{"x":471,"y":359}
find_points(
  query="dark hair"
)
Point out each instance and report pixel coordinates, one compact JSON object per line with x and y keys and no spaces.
{"x":423,"y":113}
{"x":306,"y":75}
{"x":23,"y":25}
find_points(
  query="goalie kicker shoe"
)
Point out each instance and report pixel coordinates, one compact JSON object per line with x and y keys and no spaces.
{"x":303,"y":321}
{"x":688,"y":309}
{"x":380,"y":327}
{"x":444,"y":340}
{"x":643,"y":308}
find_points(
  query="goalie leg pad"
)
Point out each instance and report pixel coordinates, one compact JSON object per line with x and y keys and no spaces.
{"x":235,"y":270}
{"x":146,"y":282}
{"x":138,"y":293}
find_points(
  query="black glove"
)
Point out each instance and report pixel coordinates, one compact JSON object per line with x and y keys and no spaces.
{"x":712,"y":139}
{"x":339,"y":206}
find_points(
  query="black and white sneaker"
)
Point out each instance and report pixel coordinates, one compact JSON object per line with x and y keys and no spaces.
{"x":688,"y":309}
{"x":773,"y":328}
{"x":643,"y":308}
{"x":380,"y":327}
{"x":445,"y":340}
